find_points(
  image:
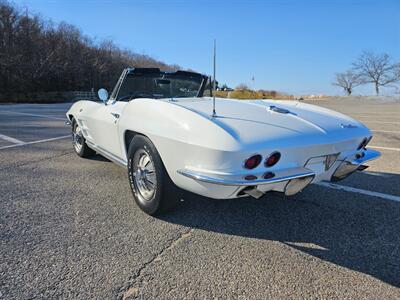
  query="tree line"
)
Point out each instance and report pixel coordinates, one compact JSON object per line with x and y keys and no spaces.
{"x":37,"y":55}
{"x":369,"y":68}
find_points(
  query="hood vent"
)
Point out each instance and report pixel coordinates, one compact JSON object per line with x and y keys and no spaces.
{"x":278,"y":109}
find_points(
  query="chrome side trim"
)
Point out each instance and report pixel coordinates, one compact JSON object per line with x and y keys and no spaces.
{"x":108,"y":155}
{"x":237,"y":180}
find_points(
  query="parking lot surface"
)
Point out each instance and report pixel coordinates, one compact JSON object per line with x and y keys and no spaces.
{"x":69,"y":227}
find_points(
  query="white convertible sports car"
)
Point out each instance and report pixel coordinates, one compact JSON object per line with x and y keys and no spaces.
{"x":162,"y":128}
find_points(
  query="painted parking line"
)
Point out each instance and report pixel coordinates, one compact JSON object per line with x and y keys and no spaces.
{"x":36,"y":142}
{"x":10,"y":139}
{"x":359,"y":191}
{"x":382,"y":122}
{"x":384,"y":148}
{"x":33,"y":115}
{"x":386,"y":131}
{"x":375,"y":116}
{"x":368,"y":112}
{"x":376,"y":174}
{"x":376,"y":119}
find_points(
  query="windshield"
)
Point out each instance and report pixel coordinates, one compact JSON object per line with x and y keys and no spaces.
{"x":160,"y":85}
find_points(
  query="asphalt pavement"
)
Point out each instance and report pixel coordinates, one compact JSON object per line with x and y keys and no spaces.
{"x":69,"y":227}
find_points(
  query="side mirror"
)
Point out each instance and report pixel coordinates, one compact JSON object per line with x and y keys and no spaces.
{"x":103,"y":95}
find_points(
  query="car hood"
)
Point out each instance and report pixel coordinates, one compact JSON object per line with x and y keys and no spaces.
{"x":292,"y":122}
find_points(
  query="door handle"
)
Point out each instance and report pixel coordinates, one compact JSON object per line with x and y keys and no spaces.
{"x":115,"y":115}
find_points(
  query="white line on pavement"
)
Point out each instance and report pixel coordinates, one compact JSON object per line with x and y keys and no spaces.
{"x":359,"y":191}
{"x":394,"y":114}
{"x":376,"y":174}
{"x":33,"y":115}
{"x":376,"y":117}
{"x":10,"y":139}
{"x":36,"y":142}
{"x":383,"y":122}
{"x":388,"y":131}
{"x":384,"y":148}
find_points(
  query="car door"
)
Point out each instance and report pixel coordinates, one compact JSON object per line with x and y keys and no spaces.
{"x":103,"y":125}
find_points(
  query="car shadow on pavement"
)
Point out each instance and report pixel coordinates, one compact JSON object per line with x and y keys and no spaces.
{"x":99,"y":157}
{"x":358,"y":232}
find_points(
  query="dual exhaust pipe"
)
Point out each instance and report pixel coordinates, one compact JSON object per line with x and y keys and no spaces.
{"x":292,"y":187}
{"x":295,"y":186}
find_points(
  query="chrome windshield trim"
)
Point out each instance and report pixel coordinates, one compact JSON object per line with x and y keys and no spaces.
{"x":237,"y":180}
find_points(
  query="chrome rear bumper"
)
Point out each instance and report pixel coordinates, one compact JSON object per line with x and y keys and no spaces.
{"x":350,"y":165}
{"x":290,"y":181}
{"x":238,"y":180}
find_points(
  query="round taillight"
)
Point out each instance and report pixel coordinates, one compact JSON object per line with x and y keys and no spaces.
{"x":269,"y":175}
{"x":252,"y":161}
{"x":363,"y":143}
{"x":272,"y":159}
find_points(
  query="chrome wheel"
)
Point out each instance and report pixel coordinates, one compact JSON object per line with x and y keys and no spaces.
{"x":77,"y":139}
{"x":144,"y":176}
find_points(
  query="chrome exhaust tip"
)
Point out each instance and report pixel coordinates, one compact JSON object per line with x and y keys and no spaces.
{"x":295,"y":186}
{"x":253,"y":192}
{"x":344,"y":171}
{"x":362,"y":167}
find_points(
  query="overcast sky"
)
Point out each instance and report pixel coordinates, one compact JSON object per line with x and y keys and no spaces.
{"x":288,"y":45}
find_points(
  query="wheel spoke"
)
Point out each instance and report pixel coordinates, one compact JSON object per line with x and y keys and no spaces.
{"x":146,"y":161}
{"x":149,"y":181}
{"x":151,"y":177}
{"x":150,"y":168}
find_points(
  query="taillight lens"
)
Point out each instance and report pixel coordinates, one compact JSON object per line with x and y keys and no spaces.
{"x":272,"y":159}
{"x":252,"y":161}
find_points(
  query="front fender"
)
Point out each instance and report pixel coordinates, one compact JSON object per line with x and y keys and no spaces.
{"x":79,"y":107}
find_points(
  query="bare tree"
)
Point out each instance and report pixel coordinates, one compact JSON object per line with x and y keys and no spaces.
{"x":347,"y":80}
{"x":37,"y":55}
{"x":377,"y":69}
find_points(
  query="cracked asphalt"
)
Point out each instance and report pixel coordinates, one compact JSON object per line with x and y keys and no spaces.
{"x":69,"y":227}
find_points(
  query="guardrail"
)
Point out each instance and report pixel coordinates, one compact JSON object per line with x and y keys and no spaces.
{"x":79,"y":95}
{"x":48,"y":97}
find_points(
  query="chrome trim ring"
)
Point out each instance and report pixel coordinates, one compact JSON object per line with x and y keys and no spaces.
{"x":77,"y":139}
{"x":239,"y":181}
{"x":144,"y":176}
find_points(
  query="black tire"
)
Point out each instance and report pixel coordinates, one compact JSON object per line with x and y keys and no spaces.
{"x":84,"y":150}
{"x":163,"y":194}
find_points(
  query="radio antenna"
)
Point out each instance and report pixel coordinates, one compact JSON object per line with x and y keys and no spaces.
{"x":214,"y":114}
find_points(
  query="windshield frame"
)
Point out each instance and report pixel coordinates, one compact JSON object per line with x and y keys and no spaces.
{"x":161,"y":74}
